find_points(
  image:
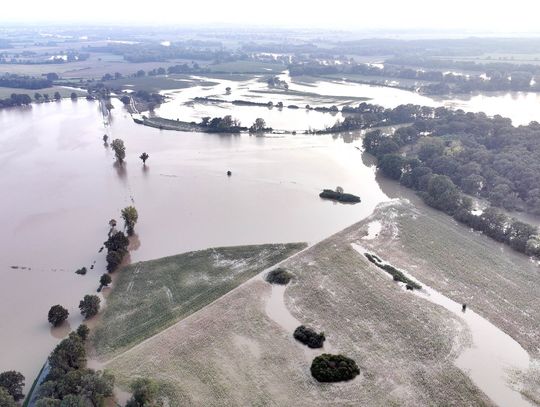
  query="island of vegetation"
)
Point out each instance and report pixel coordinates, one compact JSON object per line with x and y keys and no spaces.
{"x":394,"y":272}
{"x":339,"y":195}
{"x":279,"y":276}
{"x":309,"y":337}
{"x":334,"y":368}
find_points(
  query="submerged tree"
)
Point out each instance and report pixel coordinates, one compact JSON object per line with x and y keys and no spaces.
{"x":57,"y":315}
{"x":119,"y":149}
{"x":105,"y":279}
{"x":144,"y":157}
{"x":258,"y":126}
{"x":130,"y":216}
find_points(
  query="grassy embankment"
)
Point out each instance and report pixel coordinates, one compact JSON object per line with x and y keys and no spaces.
{"x":232,"y":353}
{"x":65,"y":93}
{"x":150,"y":296}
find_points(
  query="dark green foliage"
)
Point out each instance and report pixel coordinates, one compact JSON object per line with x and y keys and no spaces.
{"x":57,"y":315}
{"x":13,"y":383}
{"x":309,"y":337}
{"x":105,"y":279}
{"x":117,"y":242}
{"x":83,"y":331}
{"x":279,"y":276}
{"x":222,"y":125}
{"x":145,"y":393}
{"x":394,"y":272}
{"x":16,"y":100}
{"x":82,"y":271}
{"x":68,"y":355}
{"x":6,"y":399}
{"x":89,"y":306}
{"x":392,"y":165}
{"x":339,"y":196}
{"x":114,"y":259}
{"x":334,"y":368}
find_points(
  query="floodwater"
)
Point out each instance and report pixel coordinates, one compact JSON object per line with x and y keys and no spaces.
{"x":521,"y":107}
{"x":493,"y":357}
{"x":61,"y":187}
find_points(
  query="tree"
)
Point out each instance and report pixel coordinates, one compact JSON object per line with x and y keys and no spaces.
{"x":13,"y":382}
{"x":105,"y":279}
{"x":391,"y":165}
{"x":126,"y":100}
{"x":48,"y":402}
{"x":119,"y":149}
{"x":258,"y":126}
{"x":57,"y":96}
{"x":73,"y":400}
{"x":96,"y":386}
{"x":37,"y":96}
{"x":105,"y":138}
{"x":144,"y":157}
{"x":57,"y":315}
{"x":114,"y":259}
{"x":73,"y":96}
{"x":52,"y":76}
{"x":334,"y":368}
{"x":83,"y":331}
{"x":443,"y":194}
{"x":6,"y":399}
{"x":144,"y":393}
{"x":130,"y":216}
{"x":89,"y":306}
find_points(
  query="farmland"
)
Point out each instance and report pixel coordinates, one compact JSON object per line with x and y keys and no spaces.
{"x":232,"y":353}
{"x":149,"y":296}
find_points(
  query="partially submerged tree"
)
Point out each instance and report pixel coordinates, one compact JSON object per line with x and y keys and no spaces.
{"x":105,"y":279}
{"x":89,"y":306}
{"x":130,"y":216}
{"x":144,"y":157}
{"x":83,"y":331}
{"x":57,"y":315}
{"x":119,"y":149}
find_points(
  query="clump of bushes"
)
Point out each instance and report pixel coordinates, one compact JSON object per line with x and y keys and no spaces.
{"x":116,"y":245}
{"x":394,"y":272}
{"x":339,"y":196}
{"x":279,"y":276}
{"x":89,"y":306}
{"x":333,"y":368}
{"x":82,"y":271}
{"x":309,"y":337}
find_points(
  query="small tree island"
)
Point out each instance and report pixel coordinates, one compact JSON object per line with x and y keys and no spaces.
{"x":329,"y":368}
{"x":339,"y":195}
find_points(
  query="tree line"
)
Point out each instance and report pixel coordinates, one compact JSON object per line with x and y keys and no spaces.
{"x":449,"y":153}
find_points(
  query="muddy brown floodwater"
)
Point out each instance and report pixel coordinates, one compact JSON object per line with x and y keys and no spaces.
{"x":61,"y":187}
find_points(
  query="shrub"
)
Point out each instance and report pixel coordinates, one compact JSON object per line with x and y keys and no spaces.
{"x":333,"y":368}
{"x":81,"y":271}
{"x":279,"y":276}
{"x":309,"y":337}
{"x":57,"y":315}
{"x":394,"y":272}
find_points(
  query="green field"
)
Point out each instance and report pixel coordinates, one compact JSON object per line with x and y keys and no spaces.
{"x":247,"y":67}
{"x":65,"y":93}
{"x":150,"y":296}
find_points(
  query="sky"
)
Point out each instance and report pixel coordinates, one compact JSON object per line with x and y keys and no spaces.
{"x":517,"y":16}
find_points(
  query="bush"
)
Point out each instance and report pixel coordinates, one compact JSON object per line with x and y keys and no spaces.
{"x":57,"y":315}
{"x":89,"y":306}
{"x":279,"y":276}
{"x":333,"y":368}
{"x":82,"y":271}
{"x":394,"y":272}
{"x":309,"y":337}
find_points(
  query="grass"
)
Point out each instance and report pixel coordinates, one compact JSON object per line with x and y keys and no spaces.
{"x":493,"y":280}
{"x":152,"y":295}
{"x":65,"y":93}
{"x":232,"y":353}
{"x":157,"y":83}
{"x":247,"y":67}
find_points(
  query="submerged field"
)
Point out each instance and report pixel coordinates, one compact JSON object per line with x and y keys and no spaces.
{"x":233,"y":352}
{"x":149,"y":296}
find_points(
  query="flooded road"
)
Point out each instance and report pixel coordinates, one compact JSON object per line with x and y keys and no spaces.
{"x":493,"y":357}
{"x":62,"y":187}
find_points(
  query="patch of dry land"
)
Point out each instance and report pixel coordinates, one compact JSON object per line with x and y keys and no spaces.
{"x":232,"y":352}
